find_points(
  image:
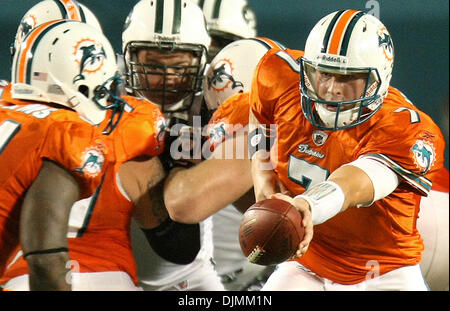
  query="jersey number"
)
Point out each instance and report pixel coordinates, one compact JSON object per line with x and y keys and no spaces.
{"x":8,"y":129}
{"x":306,"y":174}
{"x":295,"y":66}
{"x":81,"y":213}
{"x":414,"y":115}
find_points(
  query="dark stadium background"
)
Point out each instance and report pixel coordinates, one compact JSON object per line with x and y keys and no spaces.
{"x":420,"y":31}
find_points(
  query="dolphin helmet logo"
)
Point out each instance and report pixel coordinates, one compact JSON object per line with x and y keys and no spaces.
{"x":90,"y":56}
{"x":26,"y":25}
{"x":385,"y":42}
{"x":424,"y":155}
{"x":222,"y":76}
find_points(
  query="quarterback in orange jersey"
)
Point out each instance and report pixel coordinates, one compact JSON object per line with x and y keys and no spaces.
{"x":37,"y":129}
{"x":353,"y":153}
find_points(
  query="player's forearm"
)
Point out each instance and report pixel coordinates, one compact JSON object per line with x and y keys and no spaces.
{"x":224,"y":181}
{"x":359,"y":183}
{"x":43,"y":226}
{"x":365,"y":181}
{"x":264,"y":179}
{"x":356,"y":186}
{"x":346,"y":187}
{"x":48,"y":272}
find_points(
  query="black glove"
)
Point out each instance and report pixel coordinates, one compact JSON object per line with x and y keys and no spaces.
{"x":183,"y":147}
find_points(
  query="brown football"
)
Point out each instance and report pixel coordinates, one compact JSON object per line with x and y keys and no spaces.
{"x":270,"y":232}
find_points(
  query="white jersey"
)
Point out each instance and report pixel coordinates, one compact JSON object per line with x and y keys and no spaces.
{"x":155,"y":273}
{"x":433,"y":225}
{"x":227,"y":251}
{"x":232,"y":266}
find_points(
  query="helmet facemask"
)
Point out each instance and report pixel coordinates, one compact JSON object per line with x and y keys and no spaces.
{"x":346,"y":42}
{"x":347,"y":113}
{"x":108,"y":97}
{"x":171,"y":86}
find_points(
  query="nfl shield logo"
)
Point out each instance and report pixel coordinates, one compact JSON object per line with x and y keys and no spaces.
{"x":319,"y":137}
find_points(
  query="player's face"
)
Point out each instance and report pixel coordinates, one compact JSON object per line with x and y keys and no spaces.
{"x":166,"y":72}
{"x":338,"y":87}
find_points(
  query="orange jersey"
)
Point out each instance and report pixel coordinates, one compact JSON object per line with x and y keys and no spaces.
{"x":28,"y":134}
{"x":233,"y":113}
{"x":441,"y":181}
{"x":345,"y":248}
{"x":231,"y":116}
{"x":99,"y":223}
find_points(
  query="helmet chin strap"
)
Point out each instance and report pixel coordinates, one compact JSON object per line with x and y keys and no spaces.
{"x":82,"y":105}
{"x":329,"y":117}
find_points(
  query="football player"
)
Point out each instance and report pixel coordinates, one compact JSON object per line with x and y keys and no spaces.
{"x":232,"y":106}
{"x":226,"y":88}
{"x":227,"y":21}
{"x":165,"y":46}
{"x":56,"y":116}
{"x":140,"y":135}
{"x":355,"y":156}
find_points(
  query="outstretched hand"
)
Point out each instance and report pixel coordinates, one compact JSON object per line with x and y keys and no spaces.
{"x":303,"y":207}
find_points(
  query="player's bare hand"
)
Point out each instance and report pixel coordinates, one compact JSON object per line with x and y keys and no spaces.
{"x":269,"y":184}
{"x":303,"y":207}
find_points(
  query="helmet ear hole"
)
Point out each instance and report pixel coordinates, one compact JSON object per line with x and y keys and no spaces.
{"x":84,"y":89}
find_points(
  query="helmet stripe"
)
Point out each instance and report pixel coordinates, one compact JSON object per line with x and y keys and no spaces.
{"x":72,"y":10}
{"x":216,"y":10}
{"x":348,"y":33}
{"x":339,"y":31}
{"x":83,"y":16}
{"x":159,"y":15}
{"x":263,"y":42}
{"x":201,"y":3}
{"x":176,"y":17}
{"x":26,"y":56}
{"x":61,"y":7}
{"x":270,"y":44}
{"x":329,"y":30}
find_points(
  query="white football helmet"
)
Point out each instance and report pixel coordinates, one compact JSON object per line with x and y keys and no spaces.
{"x":346,"y":42}
{"x":71,"y":64}
{"x":227,"y":21}
{"x":48,"y":10}
{"x":167,"y":26}
{"x":231,"y":71}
